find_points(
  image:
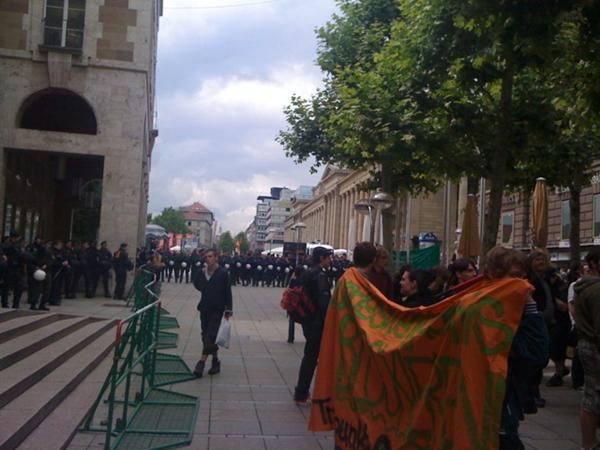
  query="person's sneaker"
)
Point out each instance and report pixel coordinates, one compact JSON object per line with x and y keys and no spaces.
{"x":44,"y":308}
{"x":215,"y":367}
{"x":302,"y":401}
{"x":554,"y":381}
{"x":199,"y":370}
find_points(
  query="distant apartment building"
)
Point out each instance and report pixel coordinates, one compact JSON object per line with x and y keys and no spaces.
{"x":201,"y":222}
{"x":267,"y":228}
{"x":277,"y":213}
{"x":77,"y":128}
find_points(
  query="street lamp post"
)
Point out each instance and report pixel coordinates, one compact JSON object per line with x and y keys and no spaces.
{"x":365,"y":208}
{"x":377,"y":203}
{"x":380,"y":201}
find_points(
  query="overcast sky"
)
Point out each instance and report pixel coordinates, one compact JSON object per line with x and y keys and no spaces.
{"x":224,"y":77}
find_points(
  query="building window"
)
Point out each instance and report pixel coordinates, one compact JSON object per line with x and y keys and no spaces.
{"x":565,"y":229}
{"x":63,"y":24}
{"x":597,"y":215}
{"x":507,"y":227}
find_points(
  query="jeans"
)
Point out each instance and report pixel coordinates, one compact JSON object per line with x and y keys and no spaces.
{"x":312,"y":332}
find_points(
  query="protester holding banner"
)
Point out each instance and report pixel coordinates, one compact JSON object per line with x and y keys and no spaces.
{"x":391,"y":377}
{"x":379,"y":275}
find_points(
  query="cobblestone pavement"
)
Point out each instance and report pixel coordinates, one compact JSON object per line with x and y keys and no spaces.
{"x":249,"y":404}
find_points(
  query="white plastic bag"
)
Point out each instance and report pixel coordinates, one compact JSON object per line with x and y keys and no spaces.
{"x":224,"y":333}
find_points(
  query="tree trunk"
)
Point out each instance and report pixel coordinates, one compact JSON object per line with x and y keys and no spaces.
{"x":575,"y":209}
{"x":526,"y":242}
{"x":387,"y":215}
{"x":499,"y":161}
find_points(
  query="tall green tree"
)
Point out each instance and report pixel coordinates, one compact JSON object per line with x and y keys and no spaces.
{"x":172,"y":220}
{"x":439,"y":88}
{"x":571,"y":103}
{"x":226,"y":243}
{"x":242,"y":240}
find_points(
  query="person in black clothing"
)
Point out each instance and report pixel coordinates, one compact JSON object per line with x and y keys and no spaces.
{"x":58,"y":268}
{"x":529,"y":350}
{"x":39,"y":290}
{"x":104,"y":265}
{"x":78,"y":263}
{"x":69,"y":271}
{"x":537,"y":263}
{"x":414,"y":287}
{"x":215,"y":303}
{"x":90,"y":269}
{"x":318,"y":288}
{"x":121,"y":265}
{"x":14,"y":269}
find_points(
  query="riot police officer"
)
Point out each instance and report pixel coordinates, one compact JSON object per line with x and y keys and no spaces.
{"x":121,"y":264}
{"x":104,"y":265}
{"x":14,"y":269}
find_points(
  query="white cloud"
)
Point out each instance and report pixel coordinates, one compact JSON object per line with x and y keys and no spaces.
{"x":233,"y":202}
{"x":224,"y":98}
{"x":224,"y":77}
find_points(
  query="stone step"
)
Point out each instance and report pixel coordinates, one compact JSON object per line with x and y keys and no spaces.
{"x":18,"y":349}
{"x":9,"y":314}
{"x":21,"y":325}
{"x":54,"y":375}
{"x":60,"y":429}
{"x":21,"y":376}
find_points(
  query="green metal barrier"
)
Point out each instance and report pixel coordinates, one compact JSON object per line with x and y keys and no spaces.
{"x":130,"y":390}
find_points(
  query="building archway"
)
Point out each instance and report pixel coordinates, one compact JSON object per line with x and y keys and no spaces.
{"x":57,"y":110}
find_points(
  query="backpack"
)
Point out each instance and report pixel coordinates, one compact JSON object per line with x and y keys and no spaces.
{"x":298,"y":305}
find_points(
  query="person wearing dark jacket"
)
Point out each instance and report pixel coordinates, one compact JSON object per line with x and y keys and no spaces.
{"x":414,"y":287}
{"x":121,"y":264}
{"x":215,"y":303}
{"x":39,"y":289}
{"x":13,"y":270}
{"x":104,"y":265}
{"x":317,"y":287}
{"x":587,"y":322}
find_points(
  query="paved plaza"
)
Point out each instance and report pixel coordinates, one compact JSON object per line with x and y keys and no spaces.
{"x":249,"y":404}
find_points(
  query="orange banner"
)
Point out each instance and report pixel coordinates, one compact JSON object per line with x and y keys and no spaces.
{"x":391,"y":377}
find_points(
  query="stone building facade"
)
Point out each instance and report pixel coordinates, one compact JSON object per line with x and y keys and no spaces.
{"x":516,"y":220}
{"x":330,"y":216}
{"x":201,"y":222}
{"x":77,"y":87}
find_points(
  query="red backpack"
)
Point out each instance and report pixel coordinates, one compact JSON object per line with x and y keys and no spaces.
{"x":298,"y":305}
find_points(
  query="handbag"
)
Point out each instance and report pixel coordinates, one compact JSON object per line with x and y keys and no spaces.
{"x":224,"y":333}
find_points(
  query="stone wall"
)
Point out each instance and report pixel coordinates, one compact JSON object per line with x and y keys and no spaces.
{"x":114,"y":73}
{"x":13,"y":34}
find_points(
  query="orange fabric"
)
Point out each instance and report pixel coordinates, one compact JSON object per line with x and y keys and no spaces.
{"x":391,"y":377}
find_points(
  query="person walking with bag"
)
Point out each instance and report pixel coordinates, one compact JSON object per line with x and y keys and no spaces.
{"x":215,"y":303}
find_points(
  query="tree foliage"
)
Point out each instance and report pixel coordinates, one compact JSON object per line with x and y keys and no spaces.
{"x":172,"y":220}
{"x":226,"y":243}
{"x":241,"y":241}
{"x":419,"y":91}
